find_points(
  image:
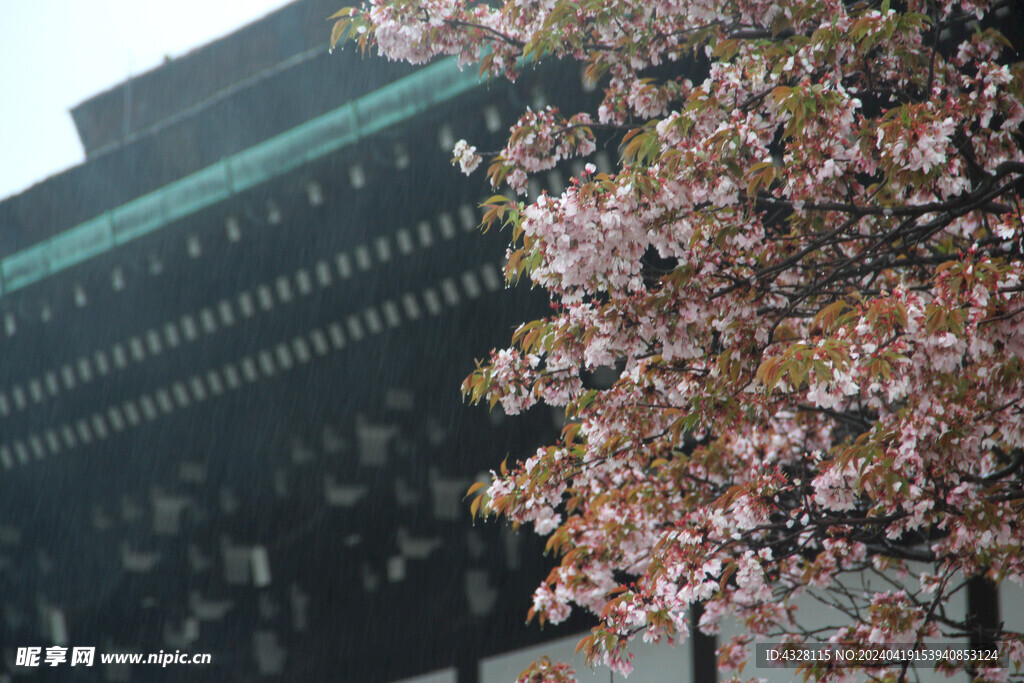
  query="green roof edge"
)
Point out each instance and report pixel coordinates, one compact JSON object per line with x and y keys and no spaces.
{"x":354,"y":121}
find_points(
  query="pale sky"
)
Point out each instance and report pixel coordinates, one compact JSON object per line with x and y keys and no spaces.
{"x":56,"y":53}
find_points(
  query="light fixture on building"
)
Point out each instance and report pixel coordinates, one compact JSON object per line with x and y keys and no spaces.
{"x":79,"y":295}
{"x":401,"y":157}
{"x":314,"y":193}
{"x":193,"y":246}
{"x":357,"y":176}
{"x":492,"y":118}
{"x":233,"y":229}
{"x":445,"y":138}
{"x":274,"y":215}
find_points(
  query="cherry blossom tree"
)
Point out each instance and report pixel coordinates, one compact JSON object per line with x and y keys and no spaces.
{"x":806,"y":274}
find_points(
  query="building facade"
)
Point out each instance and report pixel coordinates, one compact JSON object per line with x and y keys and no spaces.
{"x":232,"y":343}
{"x":230,"y":350}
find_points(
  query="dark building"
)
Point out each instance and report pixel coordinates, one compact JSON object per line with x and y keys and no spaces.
{"x":232,"y":342}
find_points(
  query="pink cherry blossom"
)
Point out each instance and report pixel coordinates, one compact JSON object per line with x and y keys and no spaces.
{"x":465,"y":156}
{"x":803,"y":280}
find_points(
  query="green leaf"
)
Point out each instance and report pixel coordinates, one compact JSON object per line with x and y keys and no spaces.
{"x":339,"y":30}
{"x":475,"y":487}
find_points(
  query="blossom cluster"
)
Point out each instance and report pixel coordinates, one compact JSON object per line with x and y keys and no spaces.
{"x":805,"y":275}
{"x":464,"y":154}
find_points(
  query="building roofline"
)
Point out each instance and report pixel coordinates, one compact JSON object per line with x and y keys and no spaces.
{"x":344,"y":126}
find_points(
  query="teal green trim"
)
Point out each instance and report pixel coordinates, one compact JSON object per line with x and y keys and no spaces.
{"x":393,"y":104}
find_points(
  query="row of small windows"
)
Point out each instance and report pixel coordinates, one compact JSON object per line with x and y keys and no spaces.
{"x":233,"y":229}
{"x":216,"y":381}
{"x":400,"y":153}
{"x":187,"y":329}
{"x":405,"y":239}
{"x":316,"y":197}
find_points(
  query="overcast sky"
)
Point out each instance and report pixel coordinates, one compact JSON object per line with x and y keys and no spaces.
{"x":57,"y":53}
